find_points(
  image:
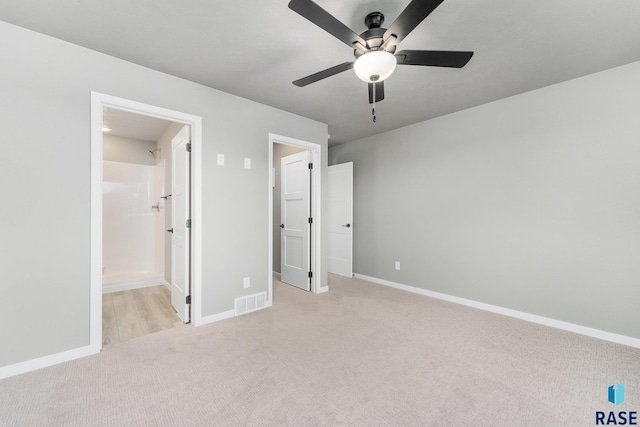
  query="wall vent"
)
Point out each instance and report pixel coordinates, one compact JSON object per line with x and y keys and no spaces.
{"x":250,"y":303}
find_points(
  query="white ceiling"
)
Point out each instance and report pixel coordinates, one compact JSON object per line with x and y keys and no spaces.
{"x":134,"y":126}
{"x":255,"y":49}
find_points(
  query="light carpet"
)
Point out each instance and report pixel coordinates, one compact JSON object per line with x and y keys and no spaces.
{"x":360,"y":355}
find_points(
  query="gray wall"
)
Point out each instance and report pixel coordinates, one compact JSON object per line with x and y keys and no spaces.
{"x":279,"y":151}
{"x":530,"y":203}
{"x":46,"y":87}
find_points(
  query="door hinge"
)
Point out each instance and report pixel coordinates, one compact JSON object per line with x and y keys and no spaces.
{"x":310,"y":165}
{"x":310,"y":220}
{"x":188,"y":299}
{"x":310,"y":275}
{"x":188,"y":147}
{"x":188,"y":225}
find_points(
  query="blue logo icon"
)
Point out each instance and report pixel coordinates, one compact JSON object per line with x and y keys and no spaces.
{"x":616,"y":394}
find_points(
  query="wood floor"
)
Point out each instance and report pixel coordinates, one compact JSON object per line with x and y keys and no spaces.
{"x":130,"y":314}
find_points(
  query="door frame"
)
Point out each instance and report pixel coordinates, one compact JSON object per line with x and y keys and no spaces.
{"x":98,"y":102}
{"x":316,"y":210}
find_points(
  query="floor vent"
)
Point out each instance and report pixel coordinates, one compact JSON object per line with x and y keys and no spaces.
{"x":250,"y":303}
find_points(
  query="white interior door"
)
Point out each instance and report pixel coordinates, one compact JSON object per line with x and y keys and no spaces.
{"x":180,"y":238}
{"x":295,"y":212}
{"x":340,"y":213}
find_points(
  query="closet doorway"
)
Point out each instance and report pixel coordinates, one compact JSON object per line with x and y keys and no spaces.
{"x":309,"y":262}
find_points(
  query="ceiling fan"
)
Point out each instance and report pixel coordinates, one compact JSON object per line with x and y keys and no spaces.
{"x":375,"y":49}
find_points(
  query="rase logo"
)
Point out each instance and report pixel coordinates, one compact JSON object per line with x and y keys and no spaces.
{"x":615,"y":396}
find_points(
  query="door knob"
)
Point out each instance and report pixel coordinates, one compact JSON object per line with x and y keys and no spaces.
{"x":347,"y":225}
{"x":281,"y":225}
{"x":170,"y":230}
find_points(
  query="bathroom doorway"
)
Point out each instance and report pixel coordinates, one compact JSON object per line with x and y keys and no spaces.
{"x":139,"y":283}
{"x":137,"y":212}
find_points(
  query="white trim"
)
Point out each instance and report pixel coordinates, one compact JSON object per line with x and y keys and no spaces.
{"x":316,"y":230}
{"x":217,"y":317}
{"x":558,"y":324}
{"x":254,"y":310}
{"x":95,"y":275}
{"x":43,"y":362}
{"x":196,"y":221}
{"x":98,"y":102}
{"x":228,"y":315}
{"x":130,"y":284}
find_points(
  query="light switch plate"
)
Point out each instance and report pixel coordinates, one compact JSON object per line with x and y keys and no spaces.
{"x":247,"y":163}
{"x":246,"y":282}
{"x":220,"y":159}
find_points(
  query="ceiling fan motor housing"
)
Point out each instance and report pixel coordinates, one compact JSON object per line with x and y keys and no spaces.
{"x":374,"y":35}
{"x":374,"y":20}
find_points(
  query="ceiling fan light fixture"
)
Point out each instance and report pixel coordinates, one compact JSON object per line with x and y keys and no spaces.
{"x":375,"y":66}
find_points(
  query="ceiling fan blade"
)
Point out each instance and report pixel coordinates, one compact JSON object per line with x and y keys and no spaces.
{"x":410,"y":17}
{"x":379,"y":92}
{"x":434,"y":58}
{"x":323,"y":74}
{"x":326,"y":21}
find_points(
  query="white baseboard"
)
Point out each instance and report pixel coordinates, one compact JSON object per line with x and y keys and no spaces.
{"x":227,"y":315}
{"x":558,"y":324}
{"x":277,"y":275}
{"x":215,"y":317}
{"x":127,"y":285}
{"x":43,"y":362}
{"x":54,"y":359}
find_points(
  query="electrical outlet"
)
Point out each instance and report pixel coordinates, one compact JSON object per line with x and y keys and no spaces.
{"x":246,"y":282}
{"x":397,"y":265}
{"x":247,"y":163}
{"x":220,"y":159}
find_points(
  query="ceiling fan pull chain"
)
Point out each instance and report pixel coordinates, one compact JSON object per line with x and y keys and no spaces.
{"x":373,"y":110}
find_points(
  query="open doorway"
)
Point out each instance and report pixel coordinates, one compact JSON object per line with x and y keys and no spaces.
{"x":292,"y":215}
{"x":145,"y":252}
{"x":138,"y":171}
{"x":305,"y":161}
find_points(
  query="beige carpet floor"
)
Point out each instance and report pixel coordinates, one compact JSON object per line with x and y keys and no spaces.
{"x":360,"y":355}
